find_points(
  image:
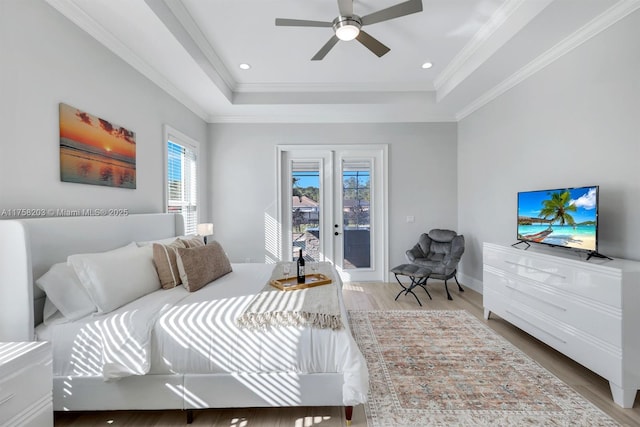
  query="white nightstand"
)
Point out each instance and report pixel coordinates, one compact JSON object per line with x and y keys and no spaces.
{"x":26,"y":384}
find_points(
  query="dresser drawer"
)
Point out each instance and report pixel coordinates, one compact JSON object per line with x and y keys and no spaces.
{"x":39,"y":414}
{"x":598,"y":355}
{"x":25,"y":380}
{"x":573,"y":277}
{"x":598,"y":320}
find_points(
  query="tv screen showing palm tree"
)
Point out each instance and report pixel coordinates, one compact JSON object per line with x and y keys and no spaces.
{"x":562,"y":217}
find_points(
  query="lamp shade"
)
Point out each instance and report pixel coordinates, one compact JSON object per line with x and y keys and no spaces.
{"x":205,"y":229}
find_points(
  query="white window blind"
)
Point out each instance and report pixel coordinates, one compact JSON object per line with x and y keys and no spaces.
{"x":182,"y":181}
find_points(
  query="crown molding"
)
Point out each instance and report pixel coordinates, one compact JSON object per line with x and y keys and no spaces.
{"x":78,"y":16}
{"x":330,"y":87}
{"x":314,"y":118}
{"x":478,"y":40}
{"x":200,"y":50}
{"x":504,"y":23}
{"x":586,"y":32}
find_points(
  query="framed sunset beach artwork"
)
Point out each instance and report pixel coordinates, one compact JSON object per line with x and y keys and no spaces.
{"x":95,"y":151}
{"x":563,"y":217}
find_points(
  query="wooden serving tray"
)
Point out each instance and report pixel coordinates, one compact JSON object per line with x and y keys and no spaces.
{"x":310,"y":280}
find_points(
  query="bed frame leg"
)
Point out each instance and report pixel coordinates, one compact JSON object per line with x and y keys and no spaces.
{"x":189,"y":416}
{"x":348,"y":413}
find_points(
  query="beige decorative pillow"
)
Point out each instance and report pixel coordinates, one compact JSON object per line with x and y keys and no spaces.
{"x":193,"y":241}
{"x":164,"y":258}
{"x":201,"y":265}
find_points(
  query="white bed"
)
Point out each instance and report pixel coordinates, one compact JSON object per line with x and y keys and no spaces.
{"x":232,"y":367}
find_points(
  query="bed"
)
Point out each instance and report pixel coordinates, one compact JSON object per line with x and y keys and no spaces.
{"x":170,"y":348}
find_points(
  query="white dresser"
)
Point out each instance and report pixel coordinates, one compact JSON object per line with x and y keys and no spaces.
{"x":587,"y":310}
{"x":26,"y":384}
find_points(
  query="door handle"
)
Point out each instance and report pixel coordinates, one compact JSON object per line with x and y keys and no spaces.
{"x":336,"y":233}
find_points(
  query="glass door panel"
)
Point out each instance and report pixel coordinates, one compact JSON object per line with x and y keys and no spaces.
{"x":305,"y":210}
{"x":356,"y":199}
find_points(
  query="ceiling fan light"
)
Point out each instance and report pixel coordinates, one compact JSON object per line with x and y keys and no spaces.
{"x":347,"y":27}
{"x":347,"y":32}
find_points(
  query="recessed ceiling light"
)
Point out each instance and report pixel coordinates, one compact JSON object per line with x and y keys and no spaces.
{"x":427,"y":65}
{"x":245,"y":66}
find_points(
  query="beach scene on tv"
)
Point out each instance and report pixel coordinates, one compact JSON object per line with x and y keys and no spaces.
{"x":559,"y":217}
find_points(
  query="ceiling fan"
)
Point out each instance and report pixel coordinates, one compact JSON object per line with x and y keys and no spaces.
{"x":348,"y":26}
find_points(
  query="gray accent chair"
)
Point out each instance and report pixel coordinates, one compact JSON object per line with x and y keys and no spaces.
{"x":440,"y":251}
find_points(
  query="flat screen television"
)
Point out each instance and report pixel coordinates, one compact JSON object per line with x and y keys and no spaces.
{"x":565,"y":217}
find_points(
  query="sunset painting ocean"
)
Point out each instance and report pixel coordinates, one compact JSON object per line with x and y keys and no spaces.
{"x":95,"y":151}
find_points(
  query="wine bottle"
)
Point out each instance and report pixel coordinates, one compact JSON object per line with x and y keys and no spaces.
{"x":300,"y":268}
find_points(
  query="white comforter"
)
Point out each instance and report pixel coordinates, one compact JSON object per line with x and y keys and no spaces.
{"x":174,"y":331}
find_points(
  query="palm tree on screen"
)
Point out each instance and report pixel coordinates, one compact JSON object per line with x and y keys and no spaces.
{"x":558,"y":207}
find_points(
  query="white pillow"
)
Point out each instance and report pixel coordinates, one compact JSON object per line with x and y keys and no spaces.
{"x":64,"y":290}
{"x":117,"y":277}
{"x":51,"y":315}
{"x":49,"y":310}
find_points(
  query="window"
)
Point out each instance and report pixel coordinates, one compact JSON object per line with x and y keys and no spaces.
{"x":182,"y":183}
{"x":356,"y":191}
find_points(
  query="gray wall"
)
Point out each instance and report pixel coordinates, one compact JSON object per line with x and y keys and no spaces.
{"x":45,"y":60}
{"x":575,"y":123}
{"x":422,"y":178}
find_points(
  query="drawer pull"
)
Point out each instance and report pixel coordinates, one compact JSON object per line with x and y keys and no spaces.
{"x":535,"y":326}
{"x":538,"y":298}
{"x":535,"y":269}
{"x":6,"y":399}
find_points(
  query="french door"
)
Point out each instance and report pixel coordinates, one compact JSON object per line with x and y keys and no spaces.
{"x":332,"y":205}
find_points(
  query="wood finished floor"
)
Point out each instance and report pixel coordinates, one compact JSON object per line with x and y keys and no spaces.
{"x":373,"y":296}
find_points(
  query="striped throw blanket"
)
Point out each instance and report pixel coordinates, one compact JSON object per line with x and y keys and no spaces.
{"x":316,"y":307}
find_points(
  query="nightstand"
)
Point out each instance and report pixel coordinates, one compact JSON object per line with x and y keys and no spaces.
{"x":26,"y":384}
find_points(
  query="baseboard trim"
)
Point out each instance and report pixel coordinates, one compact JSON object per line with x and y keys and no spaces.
{"x":470,"y":282}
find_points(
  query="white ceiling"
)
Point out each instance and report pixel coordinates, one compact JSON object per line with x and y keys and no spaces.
{"x":479,"y":48}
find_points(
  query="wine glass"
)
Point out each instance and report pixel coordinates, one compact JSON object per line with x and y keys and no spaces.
{"x":286,"y":270}
{"x":314,"y":266}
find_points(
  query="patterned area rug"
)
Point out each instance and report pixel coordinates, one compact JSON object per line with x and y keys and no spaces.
{"x":446,"y":368}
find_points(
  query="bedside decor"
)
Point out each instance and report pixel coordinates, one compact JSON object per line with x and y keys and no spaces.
{"x":95,"y":151}
{"x":204,"y":230}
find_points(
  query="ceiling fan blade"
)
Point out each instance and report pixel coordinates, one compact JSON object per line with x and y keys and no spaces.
{"x":326,"y":48}
{"x":345,"y":7}
{"x":372,"y":44}
{"x":282,"y":22}
{"x":400,"y":9}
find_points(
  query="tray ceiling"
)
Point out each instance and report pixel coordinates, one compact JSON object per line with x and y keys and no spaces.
{"x":479,"y":49}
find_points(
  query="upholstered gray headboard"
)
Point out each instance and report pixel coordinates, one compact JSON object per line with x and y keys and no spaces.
{"x":29,"y":247}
